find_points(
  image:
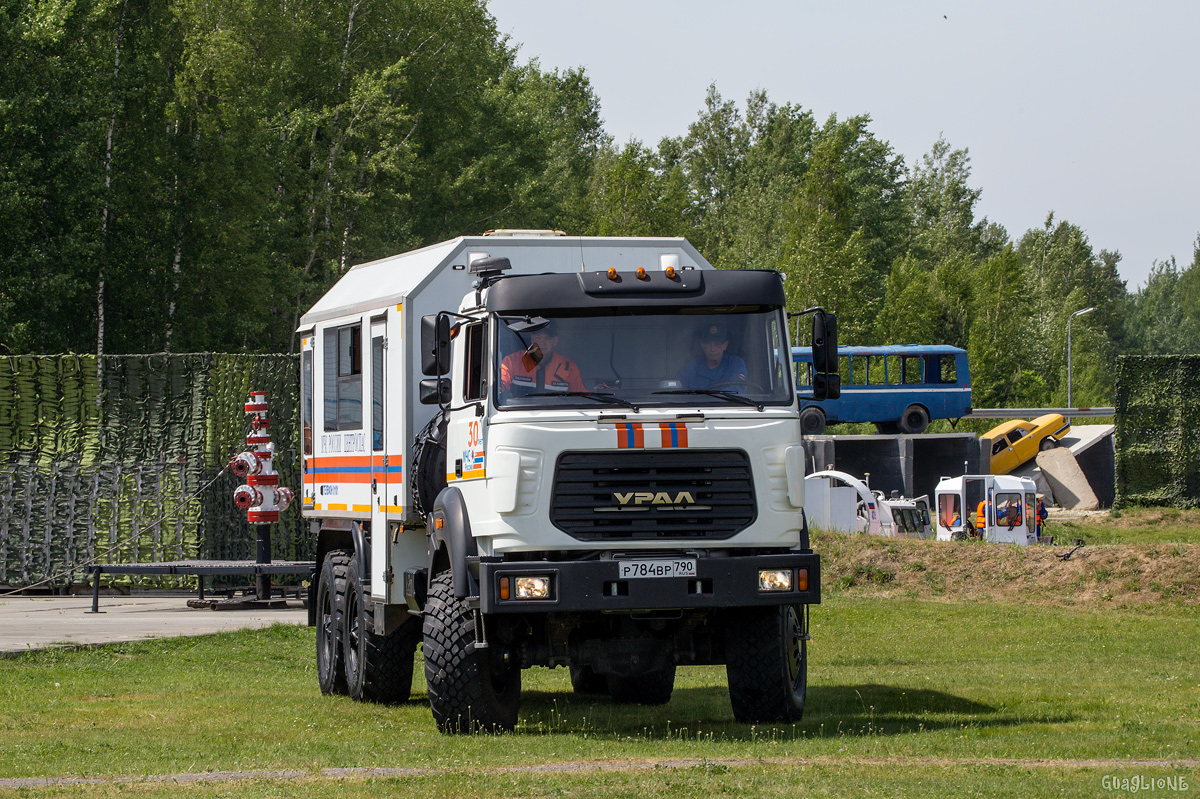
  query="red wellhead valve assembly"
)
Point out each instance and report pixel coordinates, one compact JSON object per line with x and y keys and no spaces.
{"x":261,"y":497}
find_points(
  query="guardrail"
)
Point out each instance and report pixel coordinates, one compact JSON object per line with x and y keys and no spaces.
{"x":1033,"y":413}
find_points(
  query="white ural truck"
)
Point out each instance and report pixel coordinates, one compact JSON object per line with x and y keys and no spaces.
{"x":609,"y":516}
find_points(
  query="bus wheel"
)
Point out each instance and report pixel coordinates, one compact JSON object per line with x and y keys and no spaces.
{"x":914,"y":420}
{"x":812,"y":421}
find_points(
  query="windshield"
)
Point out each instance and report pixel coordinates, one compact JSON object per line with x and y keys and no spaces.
{"x":635,"y":357}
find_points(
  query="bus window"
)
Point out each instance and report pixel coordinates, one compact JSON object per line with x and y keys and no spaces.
{"x":912,"y":370}
{"x":804,"y":371}
{"x":948,"y":371}
{"x":844,"y":364}
{"x":858,"y":366}
{"x":892,"y":369}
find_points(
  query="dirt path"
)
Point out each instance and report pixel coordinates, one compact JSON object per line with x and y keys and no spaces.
{"x":599,"y":766}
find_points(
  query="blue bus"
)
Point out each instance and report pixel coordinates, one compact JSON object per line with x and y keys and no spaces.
{"x":899,"y":387}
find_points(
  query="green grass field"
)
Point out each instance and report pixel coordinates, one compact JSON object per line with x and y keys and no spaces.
{"x":906,"y":697}
{"x":1132,"y":526}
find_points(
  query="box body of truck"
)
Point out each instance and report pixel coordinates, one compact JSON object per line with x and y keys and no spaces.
{"x":507,"y":457}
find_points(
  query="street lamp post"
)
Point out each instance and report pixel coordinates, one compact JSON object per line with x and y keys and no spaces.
{"x":1080,"y":312}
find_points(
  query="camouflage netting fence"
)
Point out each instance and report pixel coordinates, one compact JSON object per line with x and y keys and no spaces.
{"x":95,"y":458}
{"x":1158,"y":430}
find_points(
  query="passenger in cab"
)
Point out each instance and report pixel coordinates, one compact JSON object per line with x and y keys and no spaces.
{"x":539,"y":368}
{"x":715,"y":368}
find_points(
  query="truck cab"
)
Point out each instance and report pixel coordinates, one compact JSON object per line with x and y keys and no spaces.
{"x":608,"y":477}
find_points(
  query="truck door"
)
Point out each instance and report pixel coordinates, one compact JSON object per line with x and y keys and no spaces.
{"x":380,"y":465}
{"x":466,"y":450}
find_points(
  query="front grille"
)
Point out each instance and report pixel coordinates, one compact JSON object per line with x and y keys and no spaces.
{"x":649,"y":495}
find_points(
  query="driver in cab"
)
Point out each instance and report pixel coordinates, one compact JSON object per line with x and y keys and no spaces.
{"x":714,"y":369}
{"x":539,"y":368}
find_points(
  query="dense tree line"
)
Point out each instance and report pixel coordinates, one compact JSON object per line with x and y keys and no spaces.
{"x":192,"y":175}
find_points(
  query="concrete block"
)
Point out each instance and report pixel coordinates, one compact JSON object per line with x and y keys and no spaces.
{"x":1068,"y":482}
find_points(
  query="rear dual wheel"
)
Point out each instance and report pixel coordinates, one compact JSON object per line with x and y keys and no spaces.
{"x":351,"y":658}
{"x":379,"y":668}
{"x":331,"y":593}
{"x":644,"y":689}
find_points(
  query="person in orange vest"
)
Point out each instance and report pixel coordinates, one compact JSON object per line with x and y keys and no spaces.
{"x":981,"y":515}
{"x":539,"y":368}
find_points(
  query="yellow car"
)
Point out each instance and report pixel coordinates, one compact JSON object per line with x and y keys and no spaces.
{"x":1015,"y":442}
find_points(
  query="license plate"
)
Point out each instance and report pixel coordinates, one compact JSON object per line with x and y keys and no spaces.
{"x":634,"y":569}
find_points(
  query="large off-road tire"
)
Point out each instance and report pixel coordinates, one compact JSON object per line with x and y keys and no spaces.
{"x":379,"y":668}
{"x":585,"y":680}
{"x":468,"y":689}
{"x":812,"y":421}
{"x":331,"y":591}
{"x":644,"y":689}
{"x":766,"y":664}
{"x":914,"y":420}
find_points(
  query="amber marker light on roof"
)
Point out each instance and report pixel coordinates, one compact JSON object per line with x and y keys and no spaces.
{"x":671,"y":272}
{"x":612,"y":273}
{"x":641,"y":273}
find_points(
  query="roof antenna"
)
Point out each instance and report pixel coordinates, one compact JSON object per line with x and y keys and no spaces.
{"x":582,"y":260}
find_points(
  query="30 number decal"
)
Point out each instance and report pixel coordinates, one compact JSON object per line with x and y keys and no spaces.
{"x":473,"y":435}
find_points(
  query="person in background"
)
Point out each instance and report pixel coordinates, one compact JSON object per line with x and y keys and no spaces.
{"x":1041,"y":514}
{"x":540,"y":368}
{"x":715,"y":368}
{"x":981,"y":514}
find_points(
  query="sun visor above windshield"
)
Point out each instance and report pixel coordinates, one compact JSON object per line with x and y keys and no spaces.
{"x":597,"y":290}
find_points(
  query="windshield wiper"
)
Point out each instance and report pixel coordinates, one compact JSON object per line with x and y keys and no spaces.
{"x":729,"y":395}
{"x":599,"y":397}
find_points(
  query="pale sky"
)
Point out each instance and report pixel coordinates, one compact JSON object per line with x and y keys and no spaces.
{"x":1087,"y":109}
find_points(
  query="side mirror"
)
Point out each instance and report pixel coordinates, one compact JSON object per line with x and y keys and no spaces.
{"x":435,"y":344}
{"x":827,"y":383}
{"x":435,"y":391}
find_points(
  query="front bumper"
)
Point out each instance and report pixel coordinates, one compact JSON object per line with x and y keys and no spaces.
{"x":594,"y":585}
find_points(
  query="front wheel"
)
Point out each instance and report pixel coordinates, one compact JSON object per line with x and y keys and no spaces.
{"x":469,"y":688}
{"x":767,"y":664}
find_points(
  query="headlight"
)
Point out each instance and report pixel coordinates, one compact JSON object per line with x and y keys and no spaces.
{"x":531,"y":587}
{"x":774,"y":579}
